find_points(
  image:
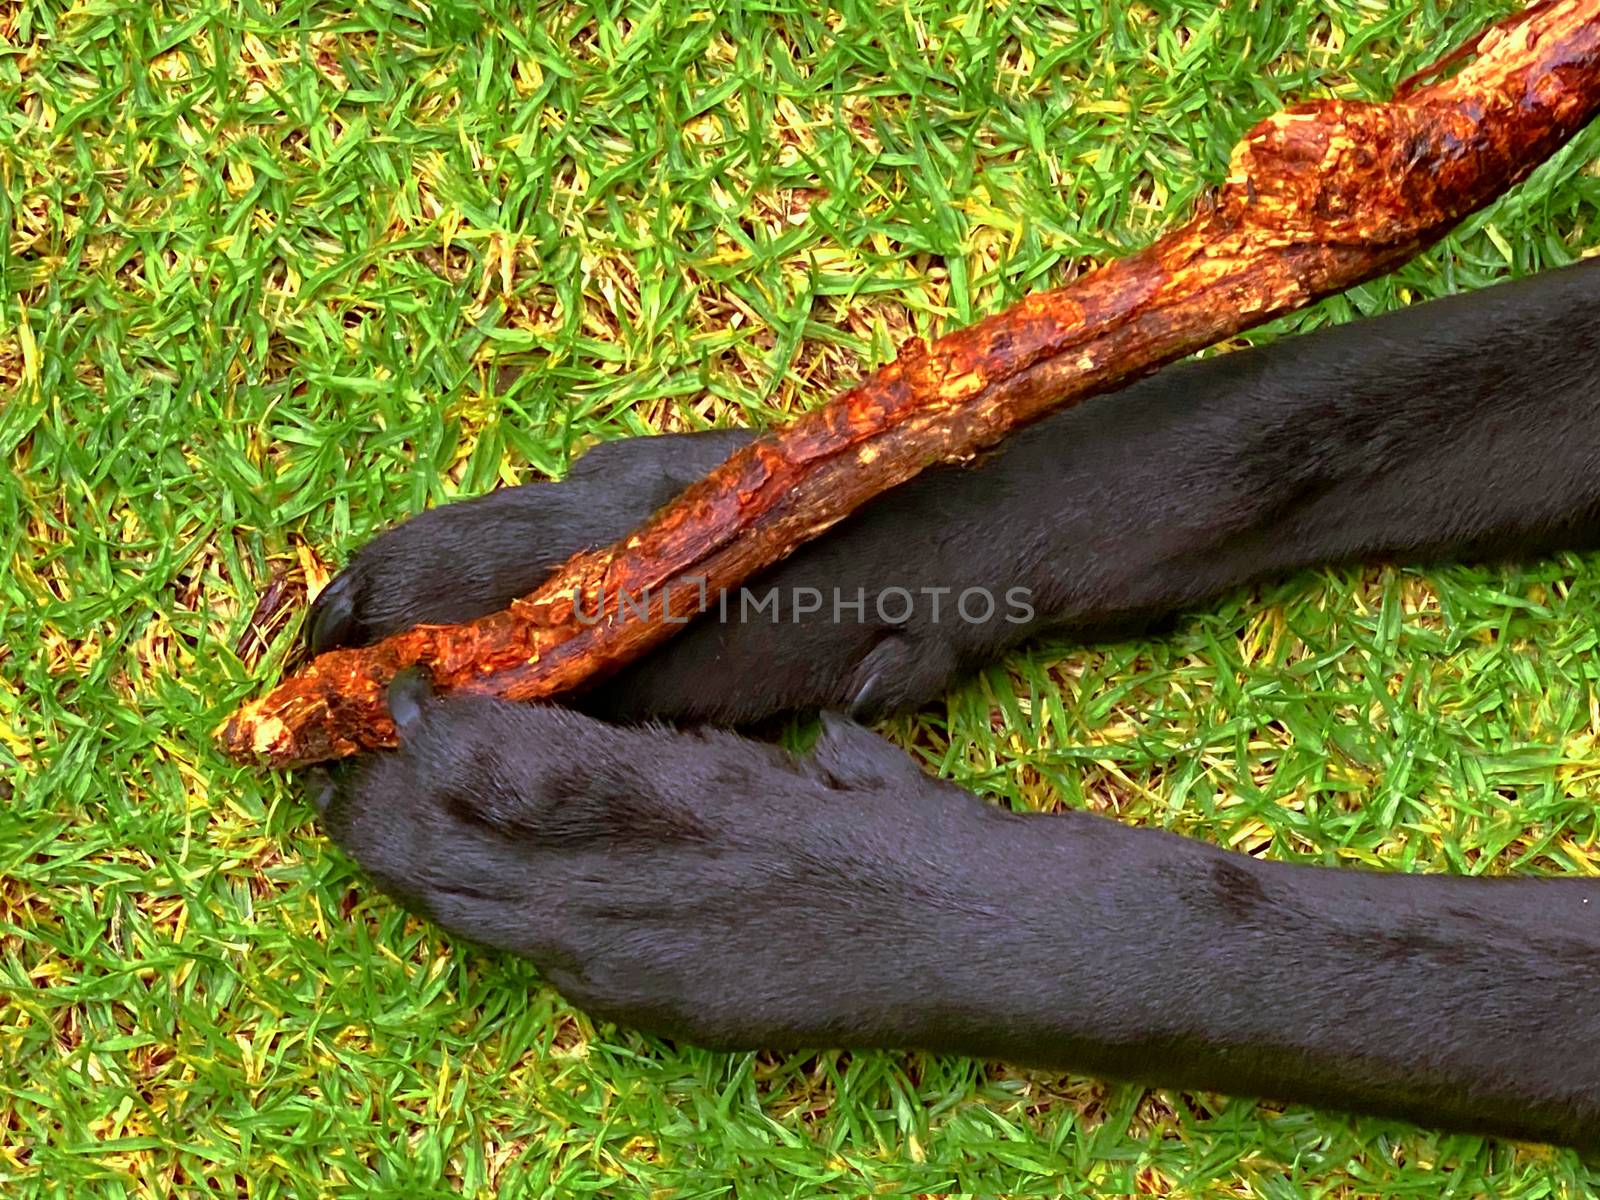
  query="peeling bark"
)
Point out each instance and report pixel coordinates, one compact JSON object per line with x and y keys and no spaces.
{"x":1318,"y":197}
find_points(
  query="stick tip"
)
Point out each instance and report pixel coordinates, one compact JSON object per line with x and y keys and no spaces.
{"x":251,"y":737}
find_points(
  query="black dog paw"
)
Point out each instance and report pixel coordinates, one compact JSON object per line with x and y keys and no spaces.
{"x":463,"y":560}
{"x":696,"y":884}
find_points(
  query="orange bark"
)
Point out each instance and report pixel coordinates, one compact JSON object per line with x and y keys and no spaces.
{"x":1318,"y":197}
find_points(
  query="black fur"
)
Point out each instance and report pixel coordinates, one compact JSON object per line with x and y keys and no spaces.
{"x":707,"y":887}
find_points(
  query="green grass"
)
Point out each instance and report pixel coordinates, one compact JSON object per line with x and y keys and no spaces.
{"x":277,"y":276}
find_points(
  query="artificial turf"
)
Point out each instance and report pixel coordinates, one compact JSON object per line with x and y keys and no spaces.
{"x":274,"y":277}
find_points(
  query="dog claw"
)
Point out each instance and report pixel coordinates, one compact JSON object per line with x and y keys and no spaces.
{"x":409,"y":693}
{"x":333,"y":616}
{"x":320,"y":788}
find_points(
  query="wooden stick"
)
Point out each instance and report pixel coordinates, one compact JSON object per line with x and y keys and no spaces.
{"x":1318,"y":197}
